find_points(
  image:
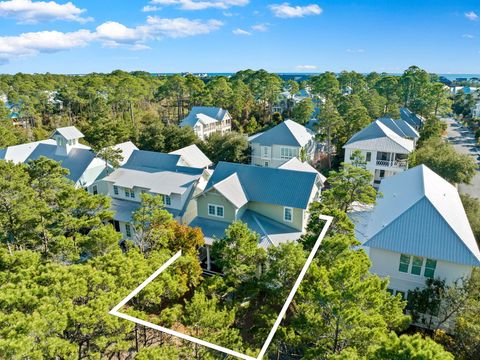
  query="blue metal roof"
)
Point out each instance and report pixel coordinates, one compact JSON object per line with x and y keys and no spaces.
{"x":268,"y":185}
{"x":422,"y":231}
{"x":151,"y":161}
{"x":411,"y":118}
{"x":76,"y":161}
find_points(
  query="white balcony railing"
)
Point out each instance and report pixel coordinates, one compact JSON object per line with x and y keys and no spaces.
{"x":394,"y":163}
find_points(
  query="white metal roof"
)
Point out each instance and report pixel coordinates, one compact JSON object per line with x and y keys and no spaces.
{"x":288,"y":132}
{"x":378,"y":137}
{"x":69,"y":132}
{"x":295,"y":164}
{"x":126,"y":148}
{"x":232,"y":189}
{"x":192,"y":156}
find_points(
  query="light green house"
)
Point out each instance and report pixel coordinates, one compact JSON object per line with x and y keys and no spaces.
{"x":272,"y":202}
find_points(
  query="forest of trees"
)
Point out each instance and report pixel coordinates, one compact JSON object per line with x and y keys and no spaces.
{"x":61,"y":271}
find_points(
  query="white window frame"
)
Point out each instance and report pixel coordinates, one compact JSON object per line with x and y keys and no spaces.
{"x":167,"y":200}
{"x":216,"y":210}
{"x":115,"y":190}
{"x":286,"y":153}
{"x":128,"y":230}
{"x":285,"y":212}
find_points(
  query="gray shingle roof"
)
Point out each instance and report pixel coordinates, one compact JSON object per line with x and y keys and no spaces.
{"x":69,"y":132}
{"x":287,"y":133}
{"x":379,"y":137}
{"x":267,"y":185}
{"x":422,"y":214}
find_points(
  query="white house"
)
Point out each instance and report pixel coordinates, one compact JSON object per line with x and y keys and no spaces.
{"x":154,"y":173}
{"x":206,"y":120}
{"x":417,"y":230}
{"x":281,"y":143}
{"x":63,"y":146}
{"x":385,"y":144}
{"x":476,"y":110}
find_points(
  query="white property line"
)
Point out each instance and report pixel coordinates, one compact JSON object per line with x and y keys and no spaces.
{"x":115,"y":310}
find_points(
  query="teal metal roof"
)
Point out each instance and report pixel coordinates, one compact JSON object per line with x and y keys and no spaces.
{"x":268,"y":185}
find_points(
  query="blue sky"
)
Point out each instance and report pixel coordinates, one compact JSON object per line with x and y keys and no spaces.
{"x":229,"y":35}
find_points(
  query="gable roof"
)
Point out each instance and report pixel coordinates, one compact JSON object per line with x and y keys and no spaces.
{"x":232,"y":189}
{"x":76,"y":161}
{"x":400,"y":127}
{"x":69,"y":132}
{"x":267,"y":185}
{"x":411,"y":118}
{"x":422,"y":214}
{"x":158,"y":172}
{"x":379,"y":137}
{"x":205,"y":115}
{"x":192,"y":156}
{"x":288,"y":132}
{"x":295,"y":164}
{"x":126,"y":149}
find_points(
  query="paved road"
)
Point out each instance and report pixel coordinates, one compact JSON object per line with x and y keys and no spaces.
{"x":464,"y":142}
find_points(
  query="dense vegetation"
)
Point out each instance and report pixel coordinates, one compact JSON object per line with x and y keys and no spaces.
{"x":62,"y":270}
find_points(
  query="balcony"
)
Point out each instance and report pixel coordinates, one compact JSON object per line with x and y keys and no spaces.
{"x":401,"y":164}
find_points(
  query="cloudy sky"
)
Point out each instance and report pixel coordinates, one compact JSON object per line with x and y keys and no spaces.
{"x":81,"y":36}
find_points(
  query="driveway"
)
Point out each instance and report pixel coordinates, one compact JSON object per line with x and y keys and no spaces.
{"x":464,"y":142}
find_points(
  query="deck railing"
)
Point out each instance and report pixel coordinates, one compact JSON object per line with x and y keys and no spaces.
{"x":392,"y":163}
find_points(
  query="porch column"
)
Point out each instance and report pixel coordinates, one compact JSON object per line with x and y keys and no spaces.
{"x":208,"y":258}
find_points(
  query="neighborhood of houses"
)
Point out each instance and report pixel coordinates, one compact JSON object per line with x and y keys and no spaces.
{"x":417,"y":230}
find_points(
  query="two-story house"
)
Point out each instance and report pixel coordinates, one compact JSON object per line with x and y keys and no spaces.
{"x":418,"y":230}
{"x":154,"y":173}
{"x":281,"y":143}
{"x":272,"y":202}
{"x":205,"y":120}
{"x":385,"y":145}
{"x":64,"y":147}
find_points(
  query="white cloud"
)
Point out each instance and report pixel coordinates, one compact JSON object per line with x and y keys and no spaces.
{"x":201,"y":4}
{"x":355,"y":51}
{"x":109,"y":34}
{"x":471,"y":15}
{"x":151,"y":8}
{"x":260,"y":27}
{"x":28,"y":44}
{"x":286,"y":11}
{"x":468,"y":36}
{"x":305,"y":67}
{"x":30,"y":12}
{"x":239,"y":31}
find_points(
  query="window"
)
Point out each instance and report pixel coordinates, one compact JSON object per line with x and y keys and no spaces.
{"x":116,"y":225}
{"x":132,"y":193}
{"x":115,"y":190}
{"x":215,"y":210}
{"x":286,"y":153}
{"x":128,"y":230}
{"x":127,"y":192}
{"x":382,"y":174}
{"x":404,"y":263}
{"x":430,"y":266}
{"x":288,"y":214}
{"x":211,"y":210}
{"x":266,"y":164}
{"x":417,"y":265}
{"x":368,"y":157}
{"x":95,"y":190}
{"x":167,"y":200}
